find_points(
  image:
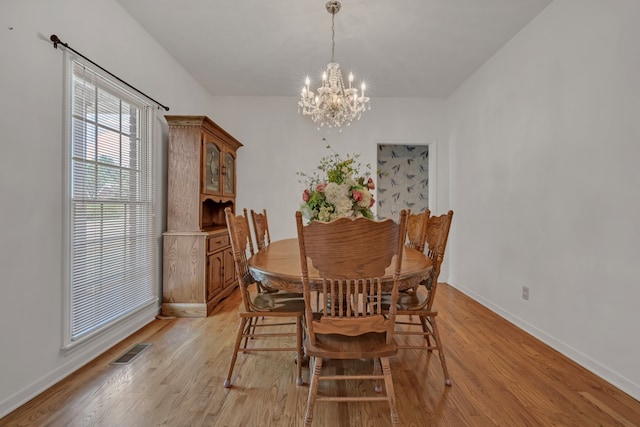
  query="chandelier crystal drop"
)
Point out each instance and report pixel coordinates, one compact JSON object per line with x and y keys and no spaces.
{"x":334,"y":105}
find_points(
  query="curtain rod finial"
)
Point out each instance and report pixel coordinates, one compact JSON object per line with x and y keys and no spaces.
{"x":55,"y":40}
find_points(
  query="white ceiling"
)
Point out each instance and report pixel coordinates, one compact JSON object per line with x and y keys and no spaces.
{"x":404,"y":48}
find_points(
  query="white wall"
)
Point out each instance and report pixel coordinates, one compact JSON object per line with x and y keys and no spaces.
{"x":31,"y":187}
{"x":278,"y":143}
{"x":544,"y":181}
{"x":544,"y":141}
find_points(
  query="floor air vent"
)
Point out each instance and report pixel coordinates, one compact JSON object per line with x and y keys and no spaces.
{"x":130,"y":354}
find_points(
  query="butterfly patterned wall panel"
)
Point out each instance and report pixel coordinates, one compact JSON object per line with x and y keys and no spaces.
{"x":403,"y":179}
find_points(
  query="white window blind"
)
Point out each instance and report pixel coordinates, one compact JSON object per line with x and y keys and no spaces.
{"x":112,"y":243}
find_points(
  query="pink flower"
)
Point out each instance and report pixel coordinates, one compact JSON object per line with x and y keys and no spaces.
{"x":357,"y":195}
{"x":306,"y":195}
{"x":372,"y":202}
{"x":370,"y":184}
{"x":320,"y":187}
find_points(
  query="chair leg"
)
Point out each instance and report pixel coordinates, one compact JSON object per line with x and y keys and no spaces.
{"x":436,"y":337}
{"x":377,"y":370}
{"x":236,"y":347}
{"x":315,"y":367}
{"x":426,"y":330}
{"x":250,"y":330}
{"x":391,"y":395}
{"x":299,"y":355}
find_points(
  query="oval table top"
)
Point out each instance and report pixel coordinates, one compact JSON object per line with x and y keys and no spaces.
{"x":278,"y":266}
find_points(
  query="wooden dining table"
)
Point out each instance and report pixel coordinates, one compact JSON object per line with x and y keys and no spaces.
{"x":278,"y":266}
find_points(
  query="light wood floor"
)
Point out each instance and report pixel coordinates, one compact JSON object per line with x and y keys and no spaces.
{"x":501,"y":377}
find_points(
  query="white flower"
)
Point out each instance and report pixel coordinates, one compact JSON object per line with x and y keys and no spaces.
{"x":338,"y":196}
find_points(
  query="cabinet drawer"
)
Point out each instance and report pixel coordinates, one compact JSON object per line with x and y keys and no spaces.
{"x":218,"y":242}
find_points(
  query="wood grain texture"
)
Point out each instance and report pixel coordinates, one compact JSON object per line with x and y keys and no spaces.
{"x":180,"y":309}
{"x":503,"y":377}
{"x":183,"y":178}
{"x":370,"y":246}
{"x":278,"y":266}
{"x":417,"y":230}
{"x":184,"y":268}
{"x":261,"y":228}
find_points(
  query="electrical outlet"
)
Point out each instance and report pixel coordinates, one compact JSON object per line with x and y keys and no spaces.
{"x":525,"y":293}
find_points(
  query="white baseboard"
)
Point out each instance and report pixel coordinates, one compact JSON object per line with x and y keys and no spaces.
{"x":580,"y":358}
{"x":79,"y":358}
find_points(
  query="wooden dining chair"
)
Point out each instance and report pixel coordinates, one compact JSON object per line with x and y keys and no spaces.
{"x":418,"y":306}
{"x":261,"y":228}
{"x":278,"y":310}
{"x":351,"y":255}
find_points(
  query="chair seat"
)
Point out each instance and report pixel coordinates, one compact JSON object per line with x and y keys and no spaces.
{"x":407,"y":302}
{"x":269,"y":290}
{"x":367,"y":346}
{"x":286,"y":302}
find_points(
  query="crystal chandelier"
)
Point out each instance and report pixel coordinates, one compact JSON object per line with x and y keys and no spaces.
{"x":334,"y":105}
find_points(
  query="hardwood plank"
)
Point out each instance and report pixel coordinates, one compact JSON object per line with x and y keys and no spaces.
{"x":501,"y":377}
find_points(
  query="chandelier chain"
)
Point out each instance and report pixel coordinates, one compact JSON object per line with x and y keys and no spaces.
{"x":333,"y":34}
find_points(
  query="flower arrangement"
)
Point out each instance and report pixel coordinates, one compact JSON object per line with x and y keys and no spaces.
{"x":337,"y":189}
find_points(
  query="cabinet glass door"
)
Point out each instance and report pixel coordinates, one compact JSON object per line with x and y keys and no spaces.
{"x":212,"y":168}
{"x":229,"y":174}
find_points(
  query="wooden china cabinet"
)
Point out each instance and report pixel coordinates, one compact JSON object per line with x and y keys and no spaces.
{"x":198,"y":268}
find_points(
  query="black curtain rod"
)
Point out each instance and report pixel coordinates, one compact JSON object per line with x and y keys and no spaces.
{"x":56,"y":41}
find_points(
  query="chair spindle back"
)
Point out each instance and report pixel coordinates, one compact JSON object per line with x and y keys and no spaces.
{"x":240,"y":235}
{"x":417,"y":229}
{"x":437,"y":235}
{"x":261,"y":228}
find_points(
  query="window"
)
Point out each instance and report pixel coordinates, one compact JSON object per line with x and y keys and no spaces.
{"x":111,"y":242}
